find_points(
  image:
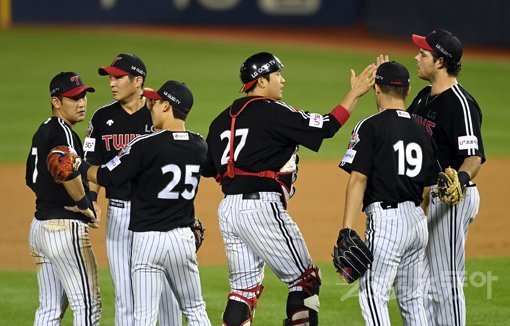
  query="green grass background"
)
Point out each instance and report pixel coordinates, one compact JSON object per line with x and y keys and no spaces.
{"x":317,"y":79}
{"x":486,"y":287}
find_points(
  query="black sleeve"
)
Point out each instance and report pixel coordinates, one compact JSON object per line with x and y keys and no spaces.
{"x":359,"y":154}
{"x":303,"y":128}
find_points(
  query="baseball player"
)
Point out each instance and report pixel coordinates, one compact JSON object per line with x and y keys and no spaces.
{"x":59,"y":239}
{"x":252,"y":153}
{"x":391,"y":162}
{"x":163,"y":169}
{"x":453,"y":119}
{"x":111,"y":128}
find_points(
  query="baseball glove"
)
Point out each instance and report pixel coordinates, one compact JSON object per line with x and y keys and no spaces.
{"x":351,"y":256}
{"x":449,"y":189}
{"x":199,"y":232}
{"x":60,"y":162}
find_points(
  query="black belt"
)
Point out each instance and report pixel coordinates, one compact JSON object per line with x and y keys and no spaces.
{"x":386,"y":205}
{"x":252,"y":195}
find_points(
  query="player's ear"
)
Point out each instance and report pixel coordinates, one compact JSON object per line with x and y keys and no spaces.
{"x":139,"y":81}
{"x":56,"y":102}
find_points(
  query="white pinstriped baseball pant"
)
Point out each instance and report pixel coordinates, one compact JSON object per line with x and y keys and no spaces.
{"x":397,"y":238}
{"x":66,"y":272}
{"x":259,"y":231}
{"x":445,"y":258}
{"x":167,"y":257}
{"x":119,"y":242}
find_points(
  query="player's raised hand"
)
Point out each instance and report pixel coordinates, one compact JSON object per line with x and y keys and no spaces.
{"x":362,"y":83}
{"x":380,"y":59}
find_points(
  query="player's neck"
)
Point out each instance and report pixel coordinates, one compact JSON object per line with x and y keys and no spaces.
{"x":391,"y":103}
{"x":133,"y":104}
{"x":174,"y":125}
{"x":441,"y":83}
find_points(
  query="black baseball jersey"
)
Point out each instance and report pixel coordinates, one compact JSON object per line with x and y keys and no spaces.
{"x":395,"y":153}
{"x":453,"y":119}
{"x":50,"y":196}
{"x":163,"y":169}
{"x":110,"y":129}
{"x":266,"y":136}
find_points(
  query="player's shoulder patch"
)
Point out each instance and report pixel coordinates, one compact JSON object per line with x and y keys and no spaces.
{"x":403,"y":114}
{"x":180,"y":135}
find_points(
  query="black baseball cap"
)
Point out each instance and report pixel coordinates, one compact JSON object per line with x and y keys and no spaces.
{"x":392,"y":73}
{"x":124,"y":64}
{"x":177,"y":93}
{"x":442,"y":42}
{"x":68,"y":84}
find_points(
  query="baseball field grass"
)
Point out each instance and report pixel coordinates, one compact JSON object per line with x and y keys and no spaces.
{"x":487,"y":286}
{"x":316,"y":80}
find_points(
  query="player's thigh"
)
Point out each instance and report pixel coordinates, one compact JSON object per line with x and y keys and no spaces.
{"x":273,"y":236}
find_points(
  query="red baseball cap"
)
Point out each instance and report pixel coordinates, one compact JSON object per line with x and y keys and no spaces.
{"x":124,"y":64}
{"x":441,"y":42}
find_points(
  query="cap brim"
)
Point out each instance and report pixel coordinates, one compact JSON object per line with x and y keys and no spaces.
{"x":247,"y":86}
{"x":77,"y":91}
{"x":152,"y":94}
{"x":112,"y":71}
{"x":421,"y":42}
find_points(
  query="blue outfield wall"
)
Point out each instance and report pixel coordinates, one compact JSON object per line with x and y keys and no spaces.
{"x":190,"y":12}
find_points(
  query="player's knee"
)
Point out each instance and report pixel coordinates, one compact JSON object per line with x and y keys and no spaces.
{"x":241,"y":312}
{"x":303,"y":306}
{"x":236,"y":314}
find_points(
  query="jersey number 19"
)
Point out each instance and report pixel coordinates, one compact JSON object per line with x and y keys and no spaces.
{"x":410,"y":158}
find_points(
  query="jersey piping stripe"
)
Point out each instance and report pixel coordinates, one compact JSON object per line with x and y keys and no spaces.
{"x":288,"y":239}
{"x":83,"y":272}
{"x":285,"y":105}
{"x":68,"y":133}
{"x":137,"y":139}
{"x":368,"y":279}
{"x":453,"y":270}
{"x":356,"y":128}
{"x":467,"y":114}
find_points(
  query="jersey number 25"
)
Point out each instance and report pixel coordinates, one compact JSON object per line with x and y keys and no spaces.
{"x":190,"y":178}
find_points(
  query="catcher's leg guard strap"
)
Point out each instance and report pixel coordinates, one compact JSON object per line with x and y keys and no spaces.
{"x":240,"y":309}
{"x":303,"y":306}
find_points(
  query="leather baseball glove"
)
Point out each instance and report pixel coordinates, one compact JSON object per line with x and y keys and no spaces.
{"x":60,"y":162}
{"x":449,"y":189}
{"x":351,"y":256}
{"x":199,"y":232}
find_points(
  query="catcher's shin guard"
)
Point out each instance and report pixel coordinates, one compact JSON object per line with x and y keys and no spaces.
{"x":303,"y":306}
{"x":240,"y":312}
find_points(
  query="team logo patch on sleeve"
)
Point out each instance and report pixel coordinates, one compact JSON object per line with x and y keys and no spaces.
{"x":89,"y":145}
{"x":348,"y":156}
{"x":468,"y":142}
{"x":316,"y":120}
{"x":113,"y":163}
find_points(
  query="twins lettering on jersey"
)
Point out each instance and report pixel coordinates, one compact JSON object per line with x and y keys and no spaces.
{"x":111,"y":142}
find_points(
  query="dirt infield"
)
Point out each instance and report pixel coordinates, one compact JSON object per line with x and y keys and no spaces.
{"x":316,"y":207}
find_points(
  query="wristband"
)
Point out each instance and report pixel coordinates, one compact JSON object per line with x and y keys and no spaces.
{"x":83,"y":203}
{"x":84,"y":167}
{"x":341,"y":114}
{"x":464,"y":178}
{"x":93,"y":195}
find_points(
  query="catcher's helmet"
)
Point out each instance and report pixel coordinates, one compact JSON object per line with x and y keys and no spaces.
{"x":257,"y":65}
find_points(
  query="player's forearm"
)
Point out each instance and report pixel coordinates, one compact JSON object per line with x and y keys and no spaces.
{"x":426,"y":200}
{"x":74,"y":188}
{"x":471,"y":165}
{"x":354,"y":198}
